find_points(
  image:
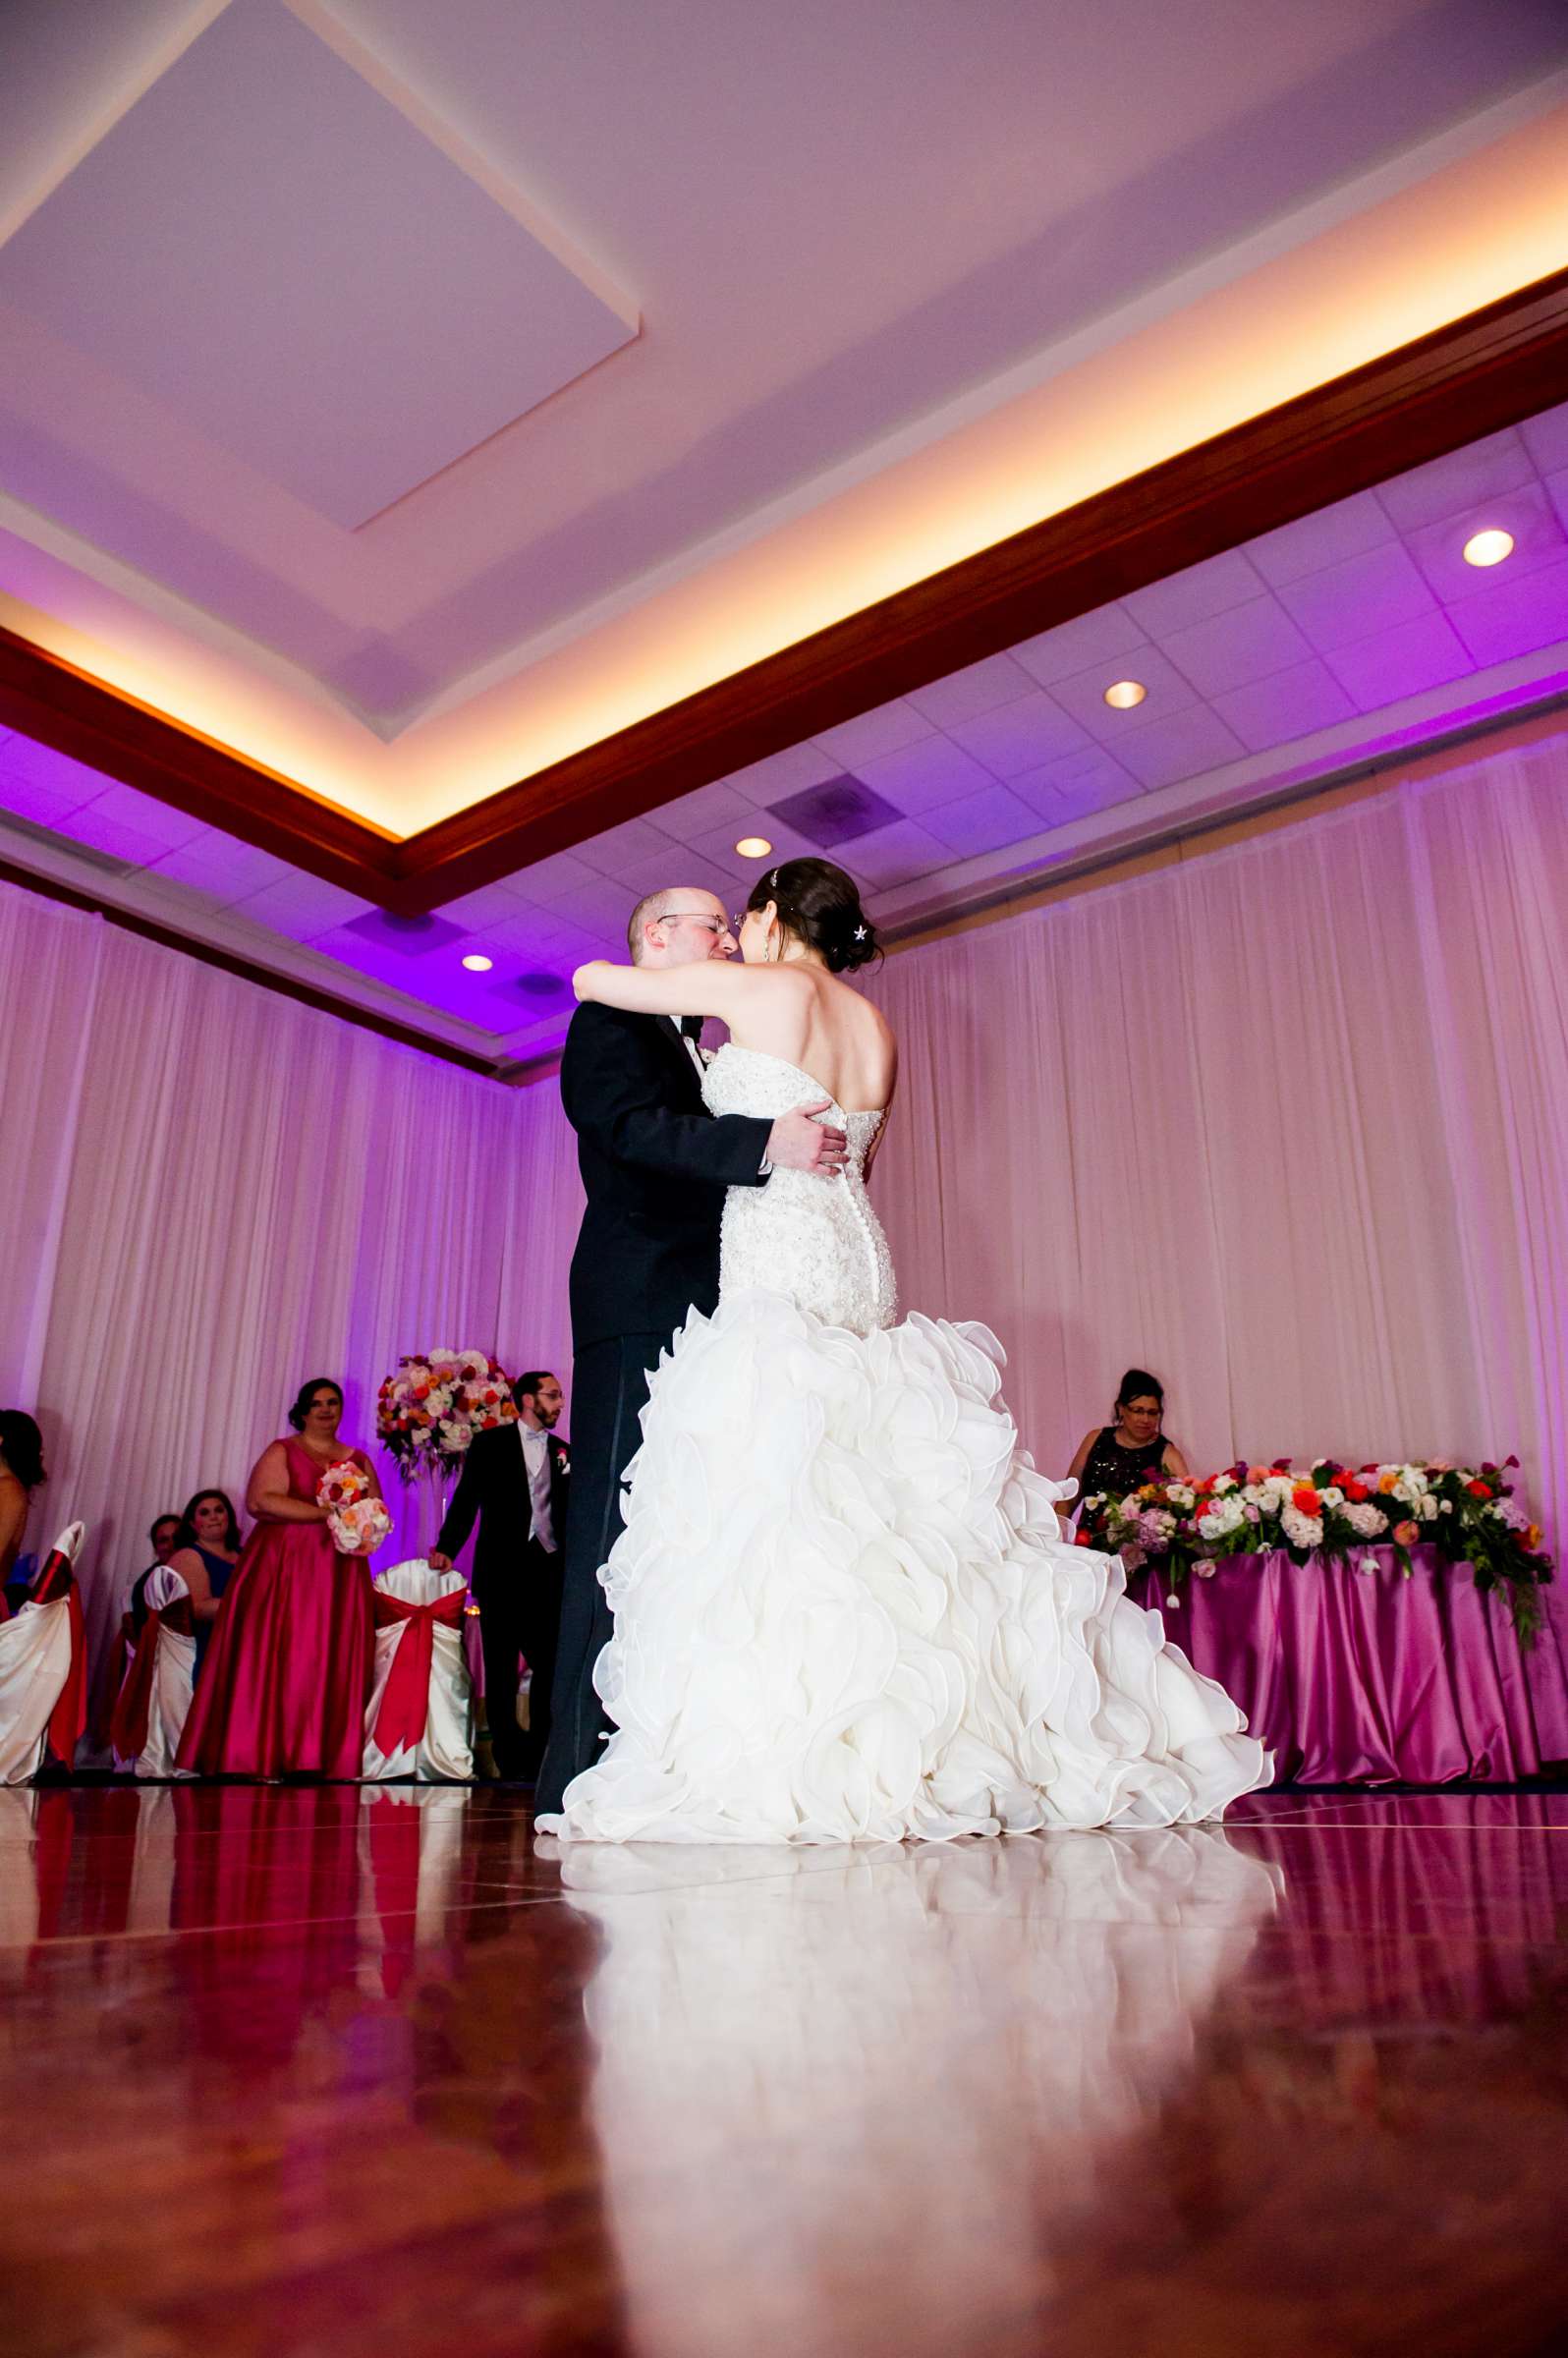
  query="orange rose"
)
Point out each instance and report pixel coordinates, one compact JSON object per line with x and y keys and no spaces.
{"x":1407,"y":1533}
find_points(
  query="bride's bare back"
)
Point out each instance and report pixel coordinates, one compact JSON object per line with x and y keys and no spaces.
{"x":811,"y":1020}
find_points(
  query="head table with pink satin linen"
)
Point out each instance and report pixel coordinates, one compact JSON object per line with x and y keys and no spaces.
{"x":1368,"y":1676}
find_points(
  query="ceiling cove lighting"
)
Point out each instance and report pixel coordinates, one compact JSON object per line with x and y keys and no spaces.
{"x":1123,"y":694}
{"x":754,"y":847}
{"x":1489,"y":547}
{"x":477,"y":964}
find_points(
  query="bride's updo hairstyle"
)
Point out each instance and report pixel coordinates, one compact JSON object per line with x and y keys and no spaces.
{"x":820,"y":906}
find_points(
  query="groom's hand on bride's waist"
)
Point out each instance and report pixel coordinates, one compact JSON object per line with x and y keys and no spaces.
{"x":797,"y":1142}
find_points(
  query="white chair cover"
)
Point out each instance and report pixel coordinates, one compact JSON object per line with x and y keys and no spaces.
{"x":445,"y":1750}
{"x":35,"y":1650}
{"x":172,"y":1674}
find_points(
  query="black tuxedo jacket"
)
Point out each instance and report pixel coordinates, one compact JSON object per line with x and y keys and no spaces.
{"x":655,"y":1164}
{"x":493,"y":1489}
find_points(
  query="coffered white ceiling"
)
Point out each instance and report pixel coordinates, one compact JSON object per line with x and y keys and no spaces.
{"x":362,"y":354}
{"x":1348,"y":637}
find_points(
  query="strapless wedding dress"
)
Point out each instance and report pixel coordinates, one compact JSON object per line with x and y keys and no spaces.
{"x":843,"y":1607}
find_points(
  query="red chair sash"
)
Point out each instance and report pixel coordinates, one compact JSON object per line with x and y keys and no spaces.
{"x":406,"y":1698}
{"x":120,"y":1653}
{"x":132,"y":1706}
{"x":69,"y":1717}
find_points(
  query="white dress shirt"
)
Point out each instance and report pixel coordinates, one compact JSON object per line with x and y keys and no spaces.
{"x":536,"y":1458}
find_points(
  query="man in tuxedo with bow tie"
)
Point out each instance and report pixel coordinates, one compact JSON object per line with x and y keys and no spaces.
{"x":655,"y":1165}
{"x":515,"y":1483}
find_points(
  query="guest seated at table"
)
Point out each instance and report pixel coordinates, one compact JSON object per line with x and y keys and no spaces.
{"x":207,"y":1551}
{"x":1134,"y":1448}
{"x":293,"y":1649}
{"x":20,"y":1473}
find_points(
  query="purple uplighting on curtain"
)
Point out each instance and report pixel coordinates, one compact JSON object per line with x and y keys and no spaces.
{"x":1365,"y":1679}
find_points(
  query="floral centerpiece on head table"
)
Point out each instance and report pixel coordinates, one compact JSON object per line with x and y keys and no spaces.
{"x":430,"y":1407}
{"x":1471,"y":1517}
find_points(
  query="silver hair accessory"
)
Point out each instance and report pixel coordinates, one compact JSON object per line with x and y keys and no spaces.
{"x":773,"y":881}
{"x":859,"y":932}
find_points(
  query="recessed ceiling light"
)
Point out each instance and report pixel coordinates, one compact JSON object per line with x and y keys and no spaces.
{"x":1489,"y":547}
{"x":476,"y":963}
{"x":754,"y":847}
{"x":1122,"y":695}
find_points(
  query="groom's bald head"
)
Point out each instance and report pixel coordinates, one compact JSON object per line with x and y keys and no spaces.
{"x":678,"y":927}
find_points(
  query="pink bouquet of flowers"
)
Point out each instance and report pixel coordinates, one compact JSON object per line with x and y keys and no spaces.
{"x":356,"y":1519}
{"x":433,"y":1403}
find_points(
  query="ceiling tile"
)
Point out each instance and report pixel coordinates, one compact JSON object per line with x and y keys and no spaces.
{"x":782,"y":773}
{"x":880,"y":731}
{"x":1404,"y":661}
{"x":1358,"y":599}
{"x":1084,"y":697}
{"x":220,"y":865}
{"x":1557,"y":492}
{"x":634,"y":841}
{"x":921,"y":777}
{"x":1181,"y":747}
{"x":1539,"y":539}
{"x":1075,"y":785}
{"x":1328,"y":537}
{"x":547,"y":879}
{"x":604,"y":906}
{"x":677,"y":868}
{"x":718,"y":851}
{"x":301,"y":907}
{"x":32,"y":799}
{"x":896,"y":854}
{"x":1290,"y":703}
{"x":1546,"y":438}
{"x":491,"y":905}
{"x":1212,"y":587}
{"x":1229,"y":650}
{"x":1098,"y":636}
{"x":1446,"y":486}
{"x":1020,"y":736}
{"x":93,"y":826}
{"x":1516,"y":617}
{"x":984,"y":822}
{"x":978,"y":688}
{"x":720,"y":805}
{"x":149,"y":817}
{"x":70,"y":783}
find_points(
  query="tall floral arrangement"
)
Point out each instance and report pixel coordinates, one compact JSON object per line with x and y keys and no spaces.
{"x":1470,"y":1516}
{"x":433,"y":1403}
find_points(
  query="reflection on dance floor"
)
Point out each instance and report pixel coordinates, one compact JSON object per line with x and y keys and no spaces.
{"x":386,"y":2076}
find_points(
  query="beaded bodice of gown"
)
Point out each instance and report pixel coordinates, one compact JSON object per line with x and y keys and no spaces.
{"x":816,"y":1241}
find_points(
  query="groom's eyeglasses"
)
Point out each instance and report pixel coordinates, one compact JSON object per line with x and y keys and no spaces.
{"x":688,"y":917}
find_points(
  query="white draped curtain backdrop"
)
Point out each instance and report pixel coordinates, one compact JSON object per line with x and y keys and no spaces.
{"x":211,"y":1194}
{"x":1287,"y":1123}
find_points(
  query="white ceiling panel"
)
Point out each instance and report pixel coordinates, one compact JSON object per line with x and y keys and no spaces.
{"x":1246,"y":643}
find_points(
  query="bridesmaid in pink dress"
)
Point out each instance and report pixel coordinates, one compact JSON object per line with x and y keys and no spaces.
{"x":288,"y":1672}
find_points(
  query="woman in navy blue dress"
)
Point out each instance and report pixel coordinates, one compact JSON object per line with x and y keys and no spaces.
{"x":208,"y":1552}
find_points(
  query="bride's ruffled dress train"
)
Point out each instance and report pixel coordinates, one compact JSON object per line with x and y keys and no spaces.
{"x":844,"y":1611}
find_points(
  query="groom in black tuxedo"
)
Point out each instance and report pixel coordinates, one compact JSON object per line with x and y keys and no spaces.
{"x":655,"y":1164}
{"x":515,"y":1482}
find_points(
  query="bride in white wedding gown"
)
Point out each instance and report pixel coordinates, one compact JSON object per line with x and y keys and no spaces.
{"x":844,"y":1611}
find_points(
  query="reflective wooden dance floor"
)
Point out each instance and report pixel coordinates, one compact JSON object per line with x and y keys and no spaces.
{"x":288,"y":2071}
